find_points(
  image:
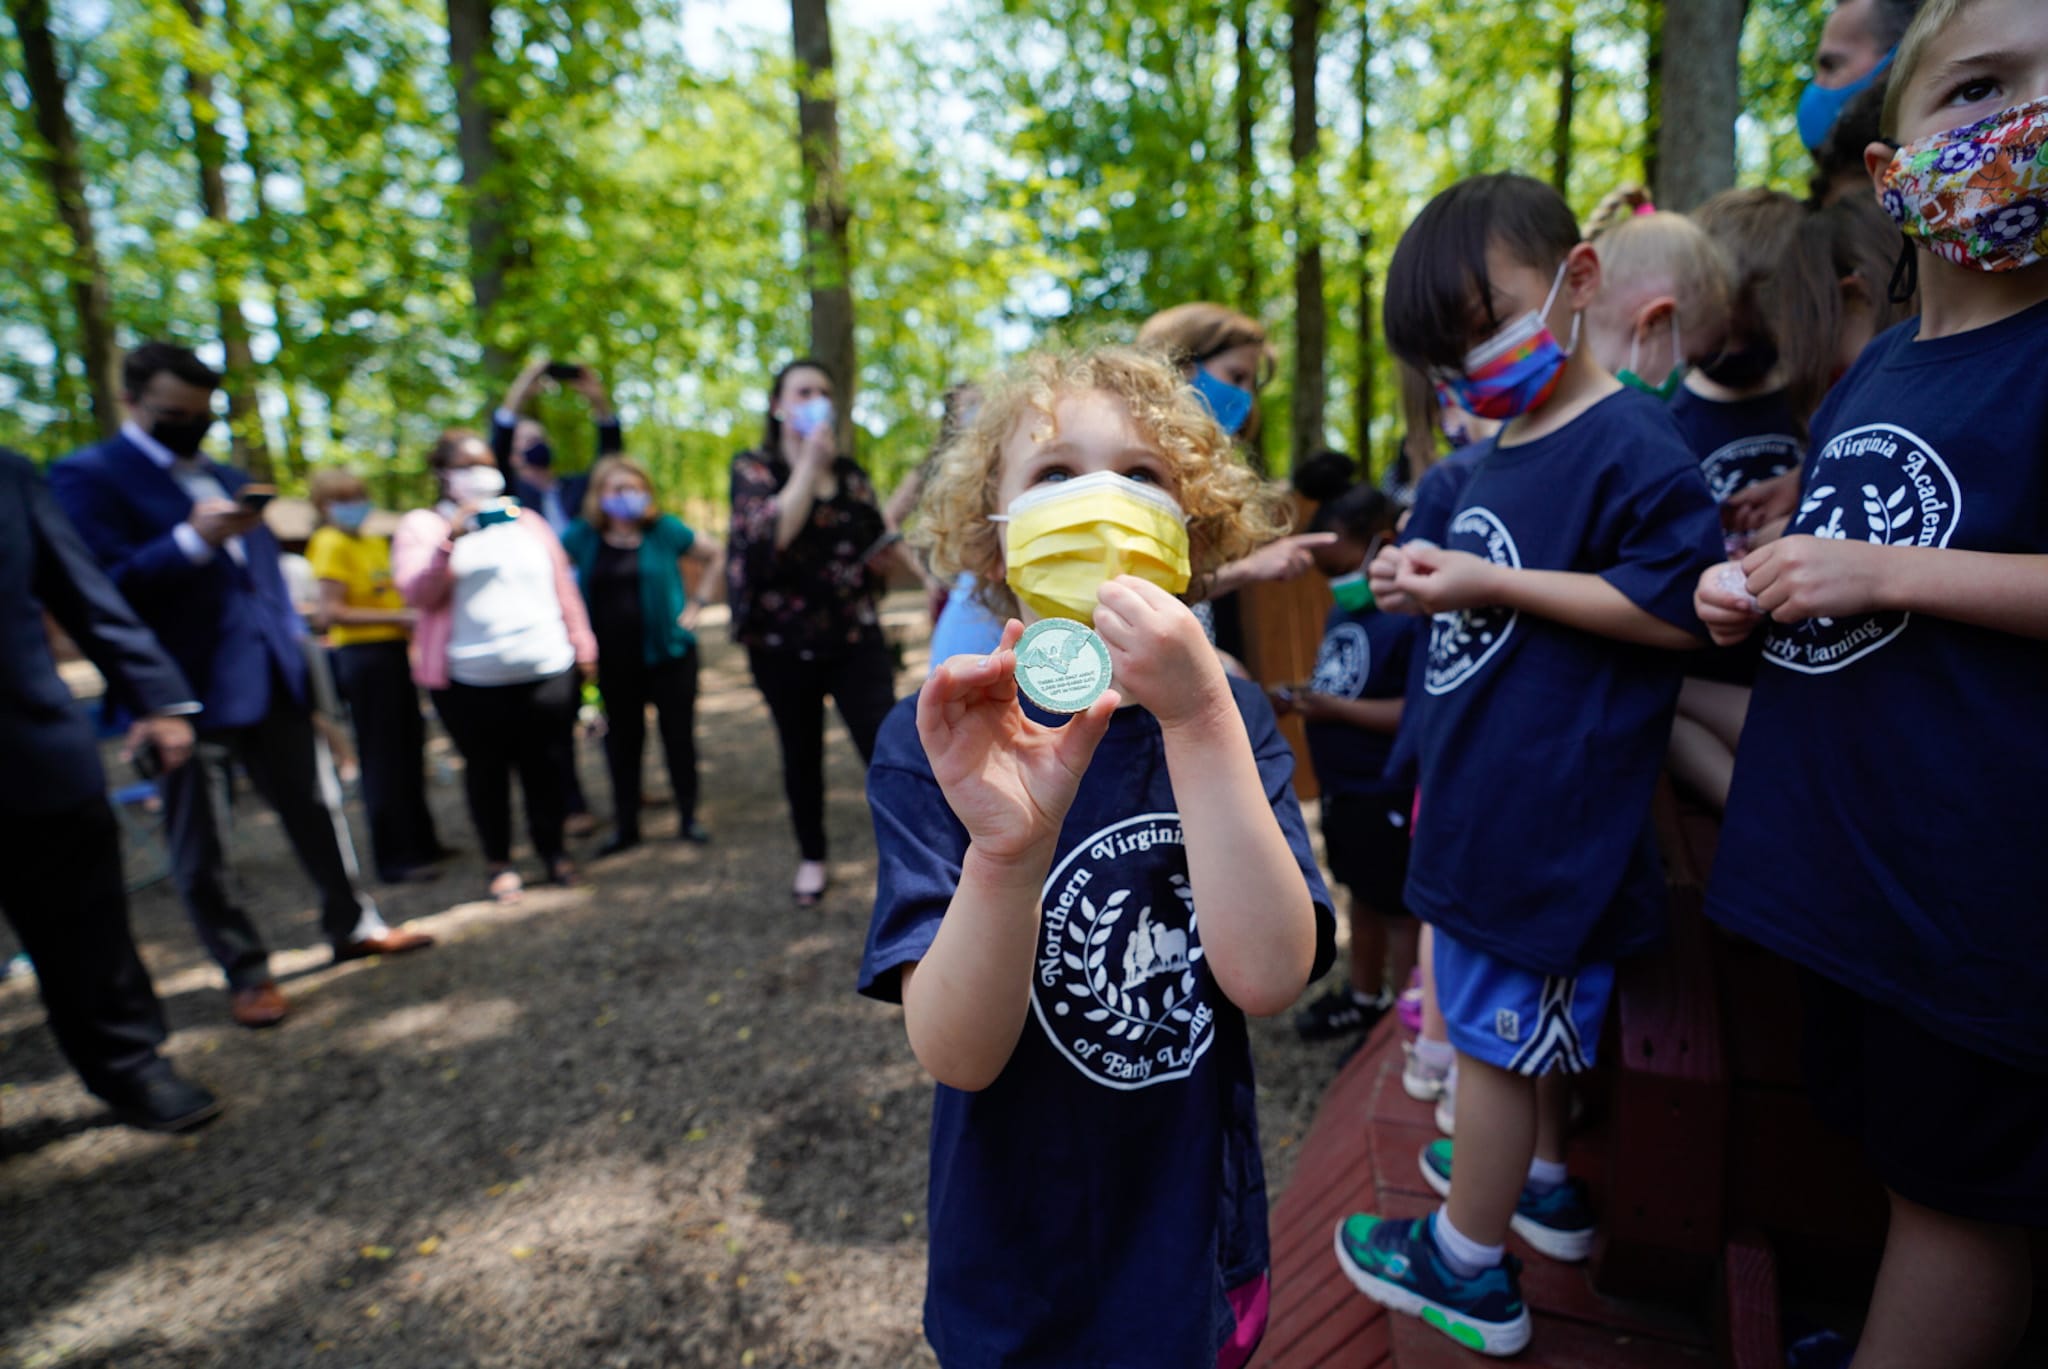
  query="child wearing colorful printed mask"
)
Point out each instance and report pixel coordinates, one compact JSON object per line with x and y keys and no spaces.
{"x":1352,"y":706}
{"x":1886,"y":808}
{"x":1561,"y":602}
{"x":1078,"y":918}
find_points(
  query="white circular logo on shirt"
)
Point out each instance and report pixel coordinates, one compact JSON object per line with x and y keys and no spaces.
{"x":1343,"y":662}
{"x":1740,"y":464}
{"x":1460,"y":643}
{"x":1119,"y":987}
{"x":1878,"y":484}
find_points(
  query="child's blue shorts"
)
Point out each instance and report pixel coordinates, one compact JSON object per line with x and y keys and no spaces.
{"x":1516,"y":1019}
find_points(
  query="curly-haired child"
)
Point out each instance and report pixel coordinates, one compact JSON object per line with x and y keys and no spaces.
{"x":1078,"y":918}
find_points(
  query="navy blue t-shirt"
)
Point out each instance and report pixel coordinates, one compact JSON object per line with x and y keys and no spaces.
{"x":1738,"y":442}
{"x":1365,"y":655}
{"x":1093,"y":1205}
{"x":1888,"y":811}
{"x":1540,"y":744}
{"x":1436,"y":499}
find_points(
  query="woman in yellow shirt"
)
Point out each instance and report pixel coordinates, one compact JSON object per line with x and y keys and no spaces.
{"x":368,"y":625}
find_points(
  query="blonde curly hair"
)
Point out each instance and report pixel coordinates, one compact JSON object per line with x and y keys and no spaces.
{"x":1230,"y":511}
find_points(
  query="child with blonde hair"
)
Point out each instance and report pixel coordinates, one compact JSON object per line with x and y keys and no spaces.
{"x":1078,"y":914}
{"x":1884,"y":826}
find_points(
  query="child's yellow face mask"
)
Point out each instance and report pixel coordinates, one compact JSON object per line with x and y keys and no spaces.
{"x":1062,"y":542}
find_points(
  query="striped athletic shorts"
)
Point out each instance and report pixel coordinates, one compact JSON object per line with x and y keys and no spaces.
{"x":1516,"y":1019}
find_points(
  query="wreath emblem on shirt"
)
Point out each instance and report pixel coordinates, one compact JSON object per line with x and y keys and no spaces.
{"x":1460,"y":643}
{"x":1343,"y":663}
{"x":1119,"y":985}
{"x":1880,"y":484}
{"x":1740,"y":464}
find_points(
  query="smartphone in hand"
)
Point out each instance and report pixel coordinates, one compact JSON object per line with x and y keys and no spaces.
{"x":253,"y":498}
{"x":564,"y":370}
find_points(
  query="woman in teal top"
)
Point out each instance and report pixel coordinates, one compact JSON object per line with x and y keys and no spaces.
{"x":630,"y":558}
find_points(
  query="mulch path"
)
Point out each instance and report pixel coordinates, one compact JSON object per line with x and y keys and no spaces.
{"x":642,"y":1123}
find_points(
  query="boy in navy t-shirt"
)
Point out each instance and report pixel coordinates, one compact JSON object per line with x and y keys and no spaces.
{"x":1077,"y":918}
{"x":1887,"y":814}
{"x":1561,"y":601}
{"x":1352,"y":708}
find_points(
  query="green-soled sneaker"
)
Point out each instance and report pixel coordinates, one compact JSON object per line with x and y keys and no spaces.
{"x":1397,"y":1265}
{"x":1556,"y":1222}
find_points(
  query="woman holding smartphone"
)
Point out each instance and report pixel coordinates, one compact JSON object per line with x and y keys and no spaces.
{"x":502,"y":644}
{"x":803,"y":583}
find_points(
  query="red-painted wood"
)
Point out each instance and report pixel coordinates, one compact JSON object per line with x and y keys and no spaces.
{"x":1751,"y":1334}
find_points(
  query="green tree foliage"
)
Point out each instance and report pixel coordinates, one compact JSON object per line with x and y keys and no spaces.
{"x":1017,"y":168}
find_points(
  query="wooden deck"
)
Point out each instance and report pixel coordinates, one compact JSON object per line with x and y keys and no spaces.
{"x":1361,"y":1156}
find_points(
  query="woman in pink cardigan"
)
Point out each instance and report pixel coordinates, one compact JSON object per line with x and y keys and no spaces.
{"x":503,"y":645}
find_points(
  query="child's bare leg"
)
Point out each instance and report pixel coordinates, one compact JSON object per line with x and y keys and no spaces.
{"x":1553,"y":1115}
{"x":1368,"y":946}
{"x":1433,"y":1028}
{"x":1699,"y":762}
{"x":1951,"y":1291}
{"x":1400,"y":935}
{"x":1496,"y":1137}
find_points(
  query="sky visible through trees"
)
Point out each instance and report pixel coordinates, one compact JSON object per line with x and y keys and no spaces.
{"x":1015,"y":170}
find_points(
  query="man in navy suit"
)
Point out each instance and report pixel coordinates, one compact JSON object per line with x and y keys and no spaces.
{"x":202,"y":571}
{"x":60,"y":850}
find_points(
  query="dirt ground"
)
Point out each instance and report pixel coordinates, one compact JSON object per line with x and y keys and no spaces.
{"x":643,"y":1123}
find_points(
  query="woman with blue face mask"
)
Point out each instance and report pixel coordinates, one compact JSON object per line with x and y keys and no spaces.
{"x":645,"y":575}
{"x":368,"y":627}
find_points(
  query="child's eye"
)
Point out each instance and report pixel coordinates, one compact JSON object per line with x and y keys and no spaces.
{"x":1052,"y":475}
{"x":1142,"y":475}
{"x":1972,"y":91}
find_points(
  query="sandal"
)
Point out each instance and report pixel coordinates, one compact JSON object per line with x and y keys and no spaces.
{"x":505,"y":887}
{"x":810,"y":898}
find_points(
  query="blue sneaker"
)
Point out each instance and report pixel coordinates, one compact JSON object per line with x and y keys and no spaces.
{"x":1397,"y":1265}
{"x":1555,"y":1222}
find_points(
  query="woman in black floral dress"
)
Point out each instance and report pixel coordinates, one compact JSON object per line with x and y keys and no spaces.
{"x":803,"y":583}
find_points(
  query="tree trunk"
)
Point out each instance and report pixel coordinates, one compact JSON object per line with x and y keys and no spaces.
{"x":245,"y":423}
{"x":1362,"y":392}
{"x":91,"y":297}
{"x":1567,"y":96}
{"x":1311,"y":325}
{"x":1653,"y":85}
{"x":470,"y":61}
{"x":270,"y":261}
{"x":1700,"y":100}
{"x":1245,"y":167}
{"x":828,"y":262}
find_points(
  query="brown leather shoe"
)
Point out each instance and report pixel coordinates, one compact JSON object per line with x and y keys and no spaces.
{"x":390,"y":941}
{"x":259,"y":1006}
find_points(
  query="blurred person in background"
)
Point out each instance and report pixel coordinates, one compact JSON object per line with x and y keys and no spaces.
{"x":60,"y":849}
{"x":803,"y":583}
{"x":645,"y":575}
{"x":503,"y":643}
{"x":368,"y":626}
{"x":183,"y":540}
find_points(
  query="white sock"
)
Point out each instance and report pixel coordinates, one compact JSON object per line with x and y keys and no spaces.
{"x":1546,"y":1174}
{"x":1466,"y":1257}
{"x":1438,"y":1055}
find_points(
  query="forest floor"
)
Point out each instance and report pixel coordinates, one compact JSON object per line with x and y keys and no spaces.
{"x":642,"y":1123}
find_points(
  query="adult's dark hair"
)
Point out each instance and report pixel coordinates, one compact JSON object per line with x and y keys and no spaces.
{"x":451,"y":441}
{"x":1325,"y":475}
{"x":1360,"y":513}
{"x":771,"y":433}
{"x":152,"y":359}
{"x":1889,"y":19}
{"x":1437,"y":284}
{"x":1839,"y":160}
